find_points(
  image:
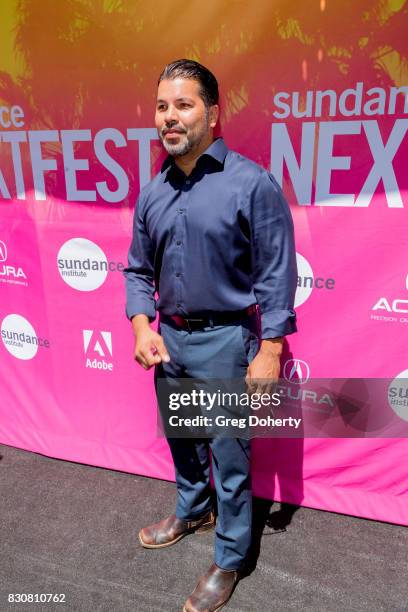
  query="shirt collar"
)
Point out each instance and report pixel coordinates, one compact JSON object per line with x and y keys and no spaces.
{"x":217,"y":150}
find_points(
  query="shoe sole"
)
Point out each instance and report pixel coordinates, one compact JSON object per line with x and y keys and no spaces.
{"x":215,"y":609}
{"x":199,"y":530}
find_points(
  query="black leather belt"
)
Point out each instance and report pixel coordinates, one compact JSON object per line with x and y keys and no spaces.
{"x":217,"y":318}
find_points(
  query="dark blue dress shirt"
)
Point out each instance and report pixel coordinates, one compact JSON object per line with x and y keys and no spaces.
{"x":217,"y":240}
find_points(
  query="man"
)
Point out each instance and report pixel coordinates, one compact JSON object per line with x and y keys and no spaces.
{"x":214,"y":236}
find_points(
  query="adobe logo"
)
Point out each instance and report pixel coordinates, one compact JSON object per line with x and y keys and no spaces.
{"x":100,"y":343}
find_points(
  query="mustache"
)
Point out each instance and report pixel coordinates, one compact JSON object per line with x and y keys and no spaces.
{"x":173,"y":128}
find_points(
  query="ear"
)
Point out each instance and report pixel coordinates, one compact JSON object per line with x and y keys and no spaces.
{"x":214,"y":114}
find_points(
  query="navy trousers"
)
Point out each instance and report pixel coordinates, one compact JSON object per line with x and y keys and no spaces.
{"x":219,"y":352}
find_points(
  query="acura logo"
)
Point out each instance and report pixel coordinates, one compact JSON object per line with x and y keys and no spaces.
{"x":296,"y":371}
{"x":3,"y":251}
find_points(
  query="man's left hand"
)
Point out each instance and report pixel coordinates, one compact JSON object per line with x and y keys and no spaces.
{"x":263,"y":371}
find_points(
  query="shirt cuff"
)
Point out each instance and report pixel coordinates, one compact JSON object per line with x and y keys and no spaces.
{"x":136,"y":307}
{"x":278,"y":323}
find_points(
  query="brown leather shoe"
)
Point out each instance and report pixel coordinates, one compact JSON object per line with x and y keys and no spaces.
{"x":213,"y":590}
{"x":171,"y":529}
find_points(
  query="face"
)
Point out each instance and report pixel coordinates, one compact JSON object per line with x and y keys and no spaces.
{"x":182,"y":119}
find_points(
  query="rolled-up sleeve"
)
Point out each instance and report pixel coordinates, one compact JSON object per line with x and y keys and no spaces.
{"x":273,"y":258}
{"x":139,"y":275}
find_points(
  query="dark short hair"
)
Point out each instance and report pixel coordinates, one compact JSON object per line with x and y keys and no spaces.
{"x":189,"y":69}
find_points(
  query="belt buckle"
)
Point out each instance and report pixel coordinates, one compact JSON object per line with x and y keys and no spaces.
{"x":188,"y":319}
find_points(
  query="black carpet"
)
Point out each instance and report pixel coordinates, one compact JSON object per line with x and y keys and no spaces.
{"x":71,"y":528}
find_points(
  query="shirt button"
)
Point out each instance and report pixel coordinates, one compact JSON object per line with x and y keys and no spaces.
{"x":188,"y":181}
{"x":178,"y":242}
{"x":178,"y":274}
{"x":178,"y":305}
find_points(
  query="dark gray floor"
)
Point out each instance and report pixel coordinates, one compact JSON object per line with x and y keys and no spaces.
{"x":69,"y":528}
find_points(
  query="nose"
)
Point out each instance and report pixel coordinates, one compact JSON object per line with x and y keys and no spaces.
{"x":170,"y":116}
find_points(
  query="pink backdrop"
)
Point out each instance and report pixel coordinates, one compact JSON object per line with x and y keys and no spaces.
{"x":70,"y":199}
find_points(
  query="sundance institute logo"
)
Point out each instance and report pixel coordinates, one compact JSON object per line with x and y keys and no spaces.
{"x":398,"y":395}
{"x":83,"y":265}
{"x":19,"y":337}
{"x":307,"y":281}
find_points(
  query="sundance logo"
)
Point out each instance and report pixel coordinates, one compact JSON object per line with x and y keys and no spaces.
{"x":306,"y":281}
{"x":19,"y":337}
{"x":10,"y":274}
{"x":391,"y":309}
{"x":398,"y":395}
{"x":83,"y":265}
{"x":100,"y":344}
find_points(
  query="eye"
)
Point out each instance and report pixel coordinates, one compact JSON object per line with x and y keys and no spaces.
{"x":185,"y":105}
{"x":161,"y":107}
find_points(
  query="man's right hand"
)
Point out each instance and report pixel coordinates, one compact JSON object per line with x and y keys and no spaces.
{"x":150,"y":348}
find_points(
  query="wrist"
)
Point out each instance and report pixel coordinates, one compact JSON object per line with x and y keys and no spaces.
{"x":140,"y":322}
{"x":272,"y":346}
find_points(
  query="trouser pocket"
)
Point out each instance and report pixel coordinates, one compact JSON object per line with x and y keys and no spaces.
{"x":249,"y":338}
